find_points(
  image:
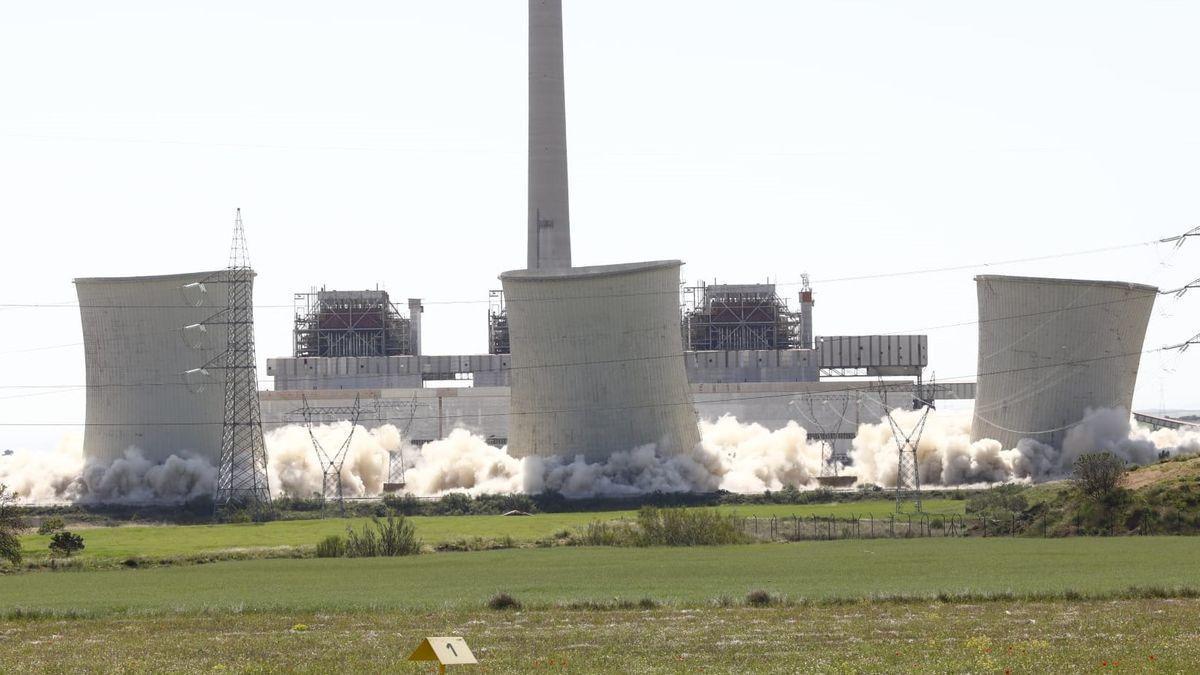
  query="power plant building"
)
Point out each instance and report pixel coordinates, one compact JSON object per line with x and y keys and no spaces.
{"x":1051,"y":349}
{"x":149,"y":345}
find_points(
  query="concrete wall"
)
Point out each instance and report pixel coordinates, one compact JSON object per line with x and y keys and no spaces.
{"x":1049,"y":349}
{"x":428,"y":414}
{"x":597,"y":360}
{"x":136,"y":351}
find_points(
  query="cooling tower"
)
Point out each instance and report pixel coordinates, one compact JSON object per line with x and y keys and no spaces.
{"x":597,"y":361}
{"x":144,"y":347}
{"x":1050,"y":349}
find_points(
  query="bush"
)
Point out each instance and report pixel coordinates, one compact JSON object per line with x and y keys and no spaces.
{"x":333,"y":546}
{"x":11,"y":525}
{"x":361,"y":545}
{"x":600,"y":533}
{"x":1097,"y":474}
{"x":1000,"y":501}
{"x":688,"y":527}
{"x":397,"y":536}
{"x":51,"y":525}
{"x":759,"y":598}
{"x":393,"y":537}
{"x":65,"y":543}
{"x":503,"y":601}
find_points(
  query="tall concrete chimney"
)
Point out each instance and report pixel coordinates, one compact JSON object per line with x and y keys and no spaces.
{"x":549,"y":212}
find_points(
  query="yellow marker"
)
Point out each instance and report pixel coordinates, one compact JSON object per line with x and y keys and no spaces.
{"x":447,"y":651}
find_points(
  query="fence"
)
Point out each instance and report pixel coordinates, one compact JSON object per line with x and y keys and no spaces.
{"x":892,"y":526}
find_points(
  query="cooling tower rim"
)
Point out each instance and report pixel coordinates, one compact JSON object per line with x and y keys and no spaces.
{"x":1127,"y":285}
{"x":180,"y":276}
{"x":588,"y":272}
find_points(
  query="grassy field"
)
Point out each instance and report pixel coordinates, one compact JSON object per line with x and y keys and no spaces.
{"x":683,"y":577}
{"x":167,"y":541}
{"x":941,"y":605}
{"x":999,"y":637}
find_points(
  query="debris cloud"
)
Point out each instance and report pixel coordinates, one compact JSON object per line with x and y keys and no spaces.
{"x":732,"y":455}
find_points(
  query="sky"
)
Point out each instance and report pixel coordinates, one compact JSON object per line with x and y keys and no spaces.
{"x":384,"y":143}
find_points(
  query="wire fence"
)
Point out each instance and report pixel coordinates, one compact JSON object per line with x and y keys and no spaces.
{"x":925,"y":525}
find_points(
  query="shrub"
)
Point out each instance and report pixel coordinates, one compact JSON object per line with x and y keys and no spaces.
{"x":759,"y":598}
{"x":51,"y":525}
{"x":1097,"y":474}
{"x":688,"y":527}
{"x":65,"y":543}
{"x":361,"y":545}
{"x":392,"y":537}
{"x":11,"y":525}
{"x":333,"y":546}
{"x":502,"y":601}
{"x":998,"y":501}
{"x":600,"y":533}
{"x":397,"y":536}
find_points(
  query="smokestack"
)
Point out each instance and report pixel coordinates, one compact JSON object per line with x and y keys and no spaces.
{"x":549,"y":213}
{"x":415,"y":310}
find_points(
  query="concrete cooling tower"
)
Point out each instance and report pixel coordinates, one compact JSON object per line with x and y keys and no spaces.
{"x":1050,"y":349}
{"x":597,"y":361}
{"x":144,"y":346}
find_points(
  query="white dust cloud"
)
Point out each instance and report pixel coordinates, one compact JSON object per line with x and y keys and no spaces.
{"x":63,"y":475}
{"x":733,"y":456}
{"x":946,"y":455}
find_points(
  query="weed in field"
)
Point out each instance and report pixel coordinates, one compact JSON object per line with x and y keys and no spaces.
{"x":395,"y":536}
{"x":333,"y":546}
{"x":503,"y":601}
{"x":759,"y":598}
{"x":668,"y":527}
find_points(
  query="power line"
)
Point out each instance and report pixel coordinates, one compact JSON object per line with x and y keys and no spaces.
{"x":1178,"y":239}
{"x":849,"y":388}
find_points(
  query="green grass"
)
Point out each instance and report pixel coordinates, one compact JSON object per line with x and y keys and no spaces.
{"x":680,"y":576}
{"x":184,"y":540}
{"x":1021,"y":637}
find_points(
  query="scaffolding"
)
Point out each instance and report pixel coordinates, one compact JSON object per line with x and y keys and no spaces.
{"x":497,"y":324}
{"x":742,"y":316}
{"x":350,"y":323}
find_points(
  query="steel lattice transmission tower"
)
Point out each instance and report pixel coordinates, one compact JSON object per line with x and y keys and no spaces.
{"x":242,"y":472}
{"x":908,"y":476}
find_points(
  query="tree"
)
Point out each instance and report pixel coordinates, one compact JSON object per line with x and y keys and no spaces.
{"x":1097,"y":474}
{"x":65,"y":543}
{"x":11,"y":524}
{"x":51,"y":525}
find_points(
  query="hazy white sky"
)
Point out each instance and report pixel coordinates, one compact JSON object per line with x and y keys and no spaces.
{"x":384,"y":143}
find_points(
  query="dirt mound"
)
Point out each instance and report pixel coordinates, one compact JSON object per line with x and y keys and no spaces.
{"x":1169,"y":471}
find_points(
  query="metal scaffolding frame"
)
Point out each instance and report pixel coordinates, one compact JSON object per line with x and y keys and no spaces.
{"x":743,"y":316}
{"x":497,"y":323}
{"x":349,"y":323}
